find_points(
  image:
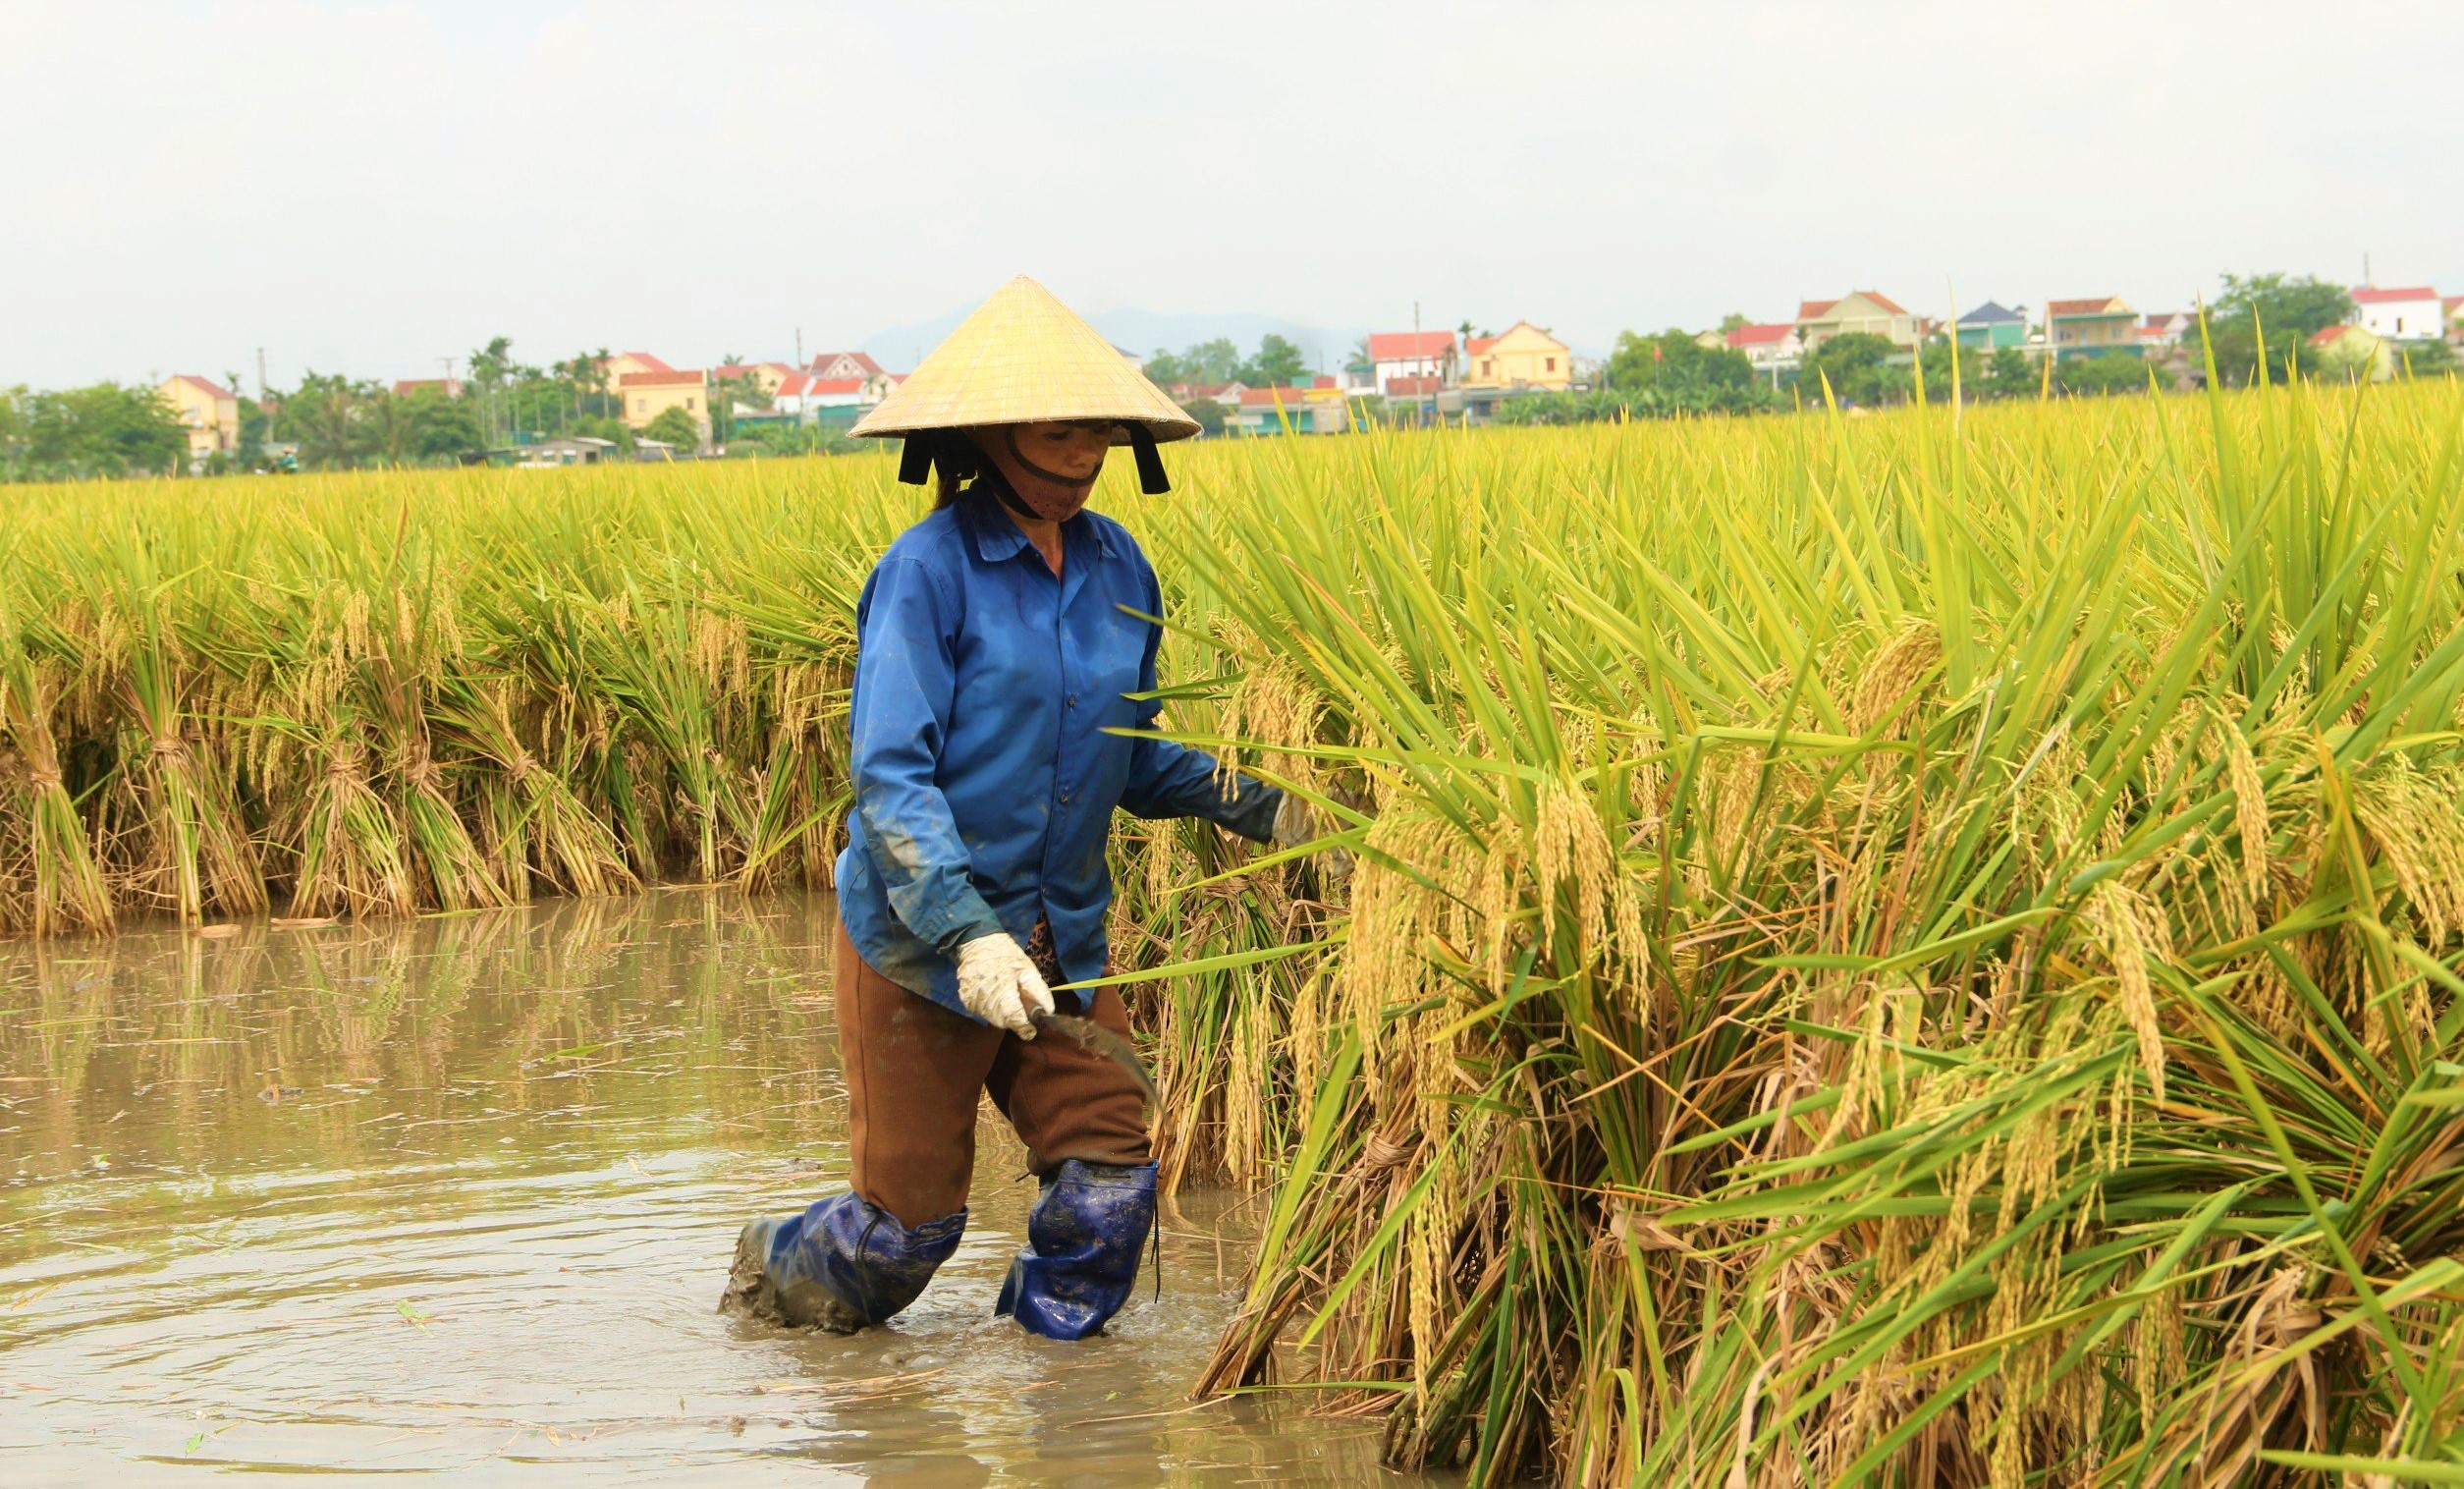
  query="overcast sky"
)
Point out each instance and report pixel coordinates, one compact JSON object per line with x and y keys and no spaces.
{"x":369,"y":186}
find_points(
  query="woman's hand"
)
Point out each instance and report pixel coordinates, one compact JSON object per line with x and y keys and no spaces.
{"x":1000,"y":985}
{"x":1297,"y":821}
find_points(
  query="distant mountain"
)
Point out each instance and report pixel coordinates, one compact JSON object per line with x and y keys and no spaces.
{"x":1142,"y":331}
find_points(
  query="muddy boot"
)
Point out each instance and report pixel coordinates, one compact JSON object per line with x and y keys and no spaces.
{"x":840,"y":1265}
{"x":1082,"y":1243}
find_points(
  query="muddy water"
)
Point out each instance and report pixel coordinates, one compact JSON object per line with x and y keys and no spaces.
{"x":456,"y":1197}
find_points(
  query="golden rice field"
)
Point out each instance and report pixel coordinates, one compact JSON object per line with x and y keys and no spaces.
{"x":1915,"y":950}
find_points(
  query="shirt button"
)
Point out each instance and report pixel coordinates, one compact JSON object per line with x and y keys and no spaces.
{"x":1074,"y":700}
{"x":1064,"y":798}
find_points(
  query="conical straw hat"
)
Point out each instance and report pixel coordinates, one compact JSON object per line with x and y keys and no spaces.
{"x":1020,"y":358}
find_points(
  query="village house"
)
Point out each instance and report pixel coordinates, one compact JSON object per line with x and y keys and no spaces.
{"x":1992,"y":327}
{"x":2163,"y":331}
{"x":1868,"y":312}
{"x":2353,"y":351}
{"x":207,"y":409}
{"x":568,"y":450}
{"x":613,"y":371}
{"x":2405,"y":314}
{"x":1222,"y":395}
{"x":1523,"y":356}
{"x":834,"y":400}
{"x":1413,"y":355}
{"x":838,"y":364}
{"x":1317,"y":406}
{"x":1226,"y":395}
{"x":2454,"y":304}
{"x":1773,"y":348}
{"x":451,"y":387}
{"x":647,"y":395}
{"x":765,"y":376}
{"x":2102,"y":325}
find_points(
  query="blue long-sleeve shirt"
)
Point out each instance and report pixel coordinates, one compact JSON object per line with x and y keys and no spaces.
{"x":984,"y":783}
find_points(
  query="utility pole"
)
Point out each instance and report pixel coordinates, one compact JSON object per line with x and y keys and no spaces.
{"x":260,"y":375}
{"x":2365,"y":268}
{"x":800,"y":349}
{"x":1420,"y":389}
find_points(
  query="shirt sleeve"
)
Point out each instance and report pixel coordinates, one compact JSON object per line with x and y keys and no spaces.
{"x":905,"y":680}
{"x":1169,"y":780}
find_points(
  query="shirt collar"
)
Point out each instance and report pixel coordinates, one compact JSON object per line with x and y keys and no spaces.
{"x":997,"y":539}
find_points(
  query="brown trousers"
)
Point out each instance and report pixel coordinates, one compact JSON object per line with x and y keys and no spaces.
{"x":914,"y":1071}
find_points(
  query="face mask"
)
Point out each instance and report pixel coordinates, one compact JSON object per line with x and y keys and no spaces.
{"x":1032,"y":498}
{"x":1031,"y":486}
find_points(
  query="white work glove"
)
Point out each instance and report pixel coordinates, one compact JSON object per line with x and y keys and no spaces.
{"x":1000,"y":985}
{"x":1296,"y":821}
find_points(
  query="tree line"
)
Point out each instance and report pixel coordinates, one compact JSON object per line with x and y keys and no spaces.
{"x":330,"y":421}
{"x":2259,"y":320}
{"x":1277,"y":363}
{"x":334,"y":422}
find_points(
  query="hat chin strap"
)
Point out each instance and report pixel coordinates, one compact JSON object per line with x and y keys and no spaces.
{"x":925,"y":449}
{"x":990,"y":475}
{"x":1151,"y":477}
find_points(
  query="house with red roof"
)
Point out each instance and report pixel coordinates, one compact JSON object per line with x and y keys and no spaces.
{"x":645,"y":396}
{"x":450,"y":387}
{"x":766,"y":375}
{"x":834,"y":400}
{"x":1774,"y":347}
{"x":2101,"y":325}
{"x":838,"y":364}
{"x":623,"y":365}
{"x":1869,"y":312}
{"x":207,"y":410}
{"x":2413,"y":314}
{"x":1315,"y":406}
{"x":2163,"y":331}
{"x":2454,"y":304}
{"x":2353,"y":352}
{"x":840,"y":367}
{"x":1417,"y":355}
{"x":1522,"y":356}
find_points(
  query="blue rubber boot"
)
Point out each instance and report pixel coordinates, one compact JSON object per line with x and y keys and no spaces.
{"x":840,"y":1264}
{"x":1082,"y":1243}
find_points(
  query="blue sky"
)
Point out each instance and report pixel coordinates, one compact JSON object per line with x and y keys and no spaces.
{"x":372,"y":187}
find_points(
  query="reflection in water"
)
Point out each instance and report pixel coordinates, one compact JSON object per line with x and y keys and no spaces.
{"x":457,"y":1195}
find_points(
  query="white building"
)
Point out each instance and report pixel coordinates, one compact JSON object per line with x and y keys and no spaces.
{"x":2161,"y":331}
{"x":573,"y":450}
{"x":838,"y":367}
{"x":1412,"y":356}
{"x":2407,"y":314}
{"x":801,"y":395}
{"x":1774,"y":347}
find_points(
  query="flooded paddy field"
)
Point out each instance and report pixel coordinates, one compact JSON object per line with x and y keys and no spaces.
{"x":455,"y":1197}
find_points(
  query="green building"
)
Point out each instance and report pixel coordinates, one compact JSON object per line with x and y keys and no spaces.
{"x":1991,"y":326}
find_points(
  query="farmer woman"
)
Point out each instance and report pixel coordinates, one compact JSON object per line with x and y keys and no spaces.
{"x":997,"y":641}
